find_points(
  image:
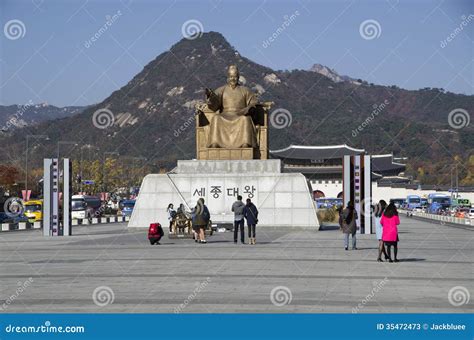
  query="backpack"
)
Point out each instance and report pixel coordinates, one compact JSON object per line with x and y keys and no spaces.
{"x":155,"y":229}
{"x":349,"y":217}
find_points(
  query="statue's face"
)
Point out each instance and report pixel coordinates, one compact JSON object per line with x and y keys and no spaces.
{"x":233,"y":78}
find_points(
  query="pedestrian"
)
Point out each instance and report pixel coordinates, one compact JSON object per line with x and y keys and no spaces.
{"x":379,"y":209}
{"x":201,"y":217}
{"x":251,"y":215}
{"x":390,"y":222}
{"x":348,"y":224}
{"x":238,"y":209}
{"x":171,"y":215}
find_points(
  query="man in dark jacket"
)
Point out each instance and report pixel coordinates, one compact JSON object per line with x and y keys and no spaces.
{"x":238,"y":209}
{"x":251,"y":215}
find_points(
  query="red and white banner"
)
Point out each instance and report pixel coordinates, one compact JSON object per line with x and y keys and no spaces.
{"x":26,"y":195}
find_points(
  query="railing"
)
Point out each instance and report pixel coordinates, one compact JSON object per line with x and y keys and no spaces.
{"x":39,"y":224}
{"x":441,"y":218}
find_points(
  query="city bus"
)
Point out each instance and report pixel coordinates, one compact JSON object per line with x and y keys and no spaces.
{"x":438,"y":202}
{"x":83,"y":206}
{"x":413,"y":202}
{"x":399,"y":202}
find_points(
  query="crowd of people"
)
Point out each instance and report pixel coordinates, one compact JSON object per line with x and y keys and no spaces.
{"x":200,"y":217}
{"x":386,"y":228}
{"x":386,"y":224}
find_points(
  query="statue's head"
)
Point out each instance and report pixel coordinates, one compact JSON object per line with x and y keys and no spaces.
{"x":233,"y":76}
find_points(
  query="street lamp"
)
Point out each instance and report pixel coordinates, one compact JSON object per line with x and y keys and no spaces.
{"x":87,"y":146}
{"x":26,"y":158}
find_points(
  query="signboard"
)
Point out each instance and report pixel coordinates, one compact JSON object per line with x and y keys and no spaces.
{"x":357,"y":187}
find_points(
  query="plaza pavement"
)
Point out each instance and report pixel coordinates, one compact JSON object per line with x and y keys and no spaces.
{"x":308,"y":271}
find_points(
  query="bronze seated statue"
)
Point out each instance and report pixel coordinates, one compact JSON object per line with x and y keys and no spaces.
{"x":232,"y":124}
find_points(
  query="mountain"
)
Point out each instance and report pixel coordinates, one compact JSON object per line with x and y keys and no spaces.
{"x":332,"y":74}
{"x":153,"y":114}
{"x":18,"y":116}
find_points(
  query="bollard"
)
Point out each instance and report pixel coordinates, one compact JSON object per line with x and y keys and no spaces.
{"x":95,"y":220}
{"x":21,"y":225}
{"x":104,"y":219}
{"x":37,"y":225}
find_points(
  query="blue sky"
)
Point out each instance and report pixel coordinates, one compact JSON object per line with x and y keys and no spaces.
{"x":50,"y":62}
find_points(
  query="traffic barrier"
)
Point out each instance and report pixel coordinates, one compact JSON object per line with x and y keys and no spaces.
{"x":442,"y":218}
{"x":75,"y":222}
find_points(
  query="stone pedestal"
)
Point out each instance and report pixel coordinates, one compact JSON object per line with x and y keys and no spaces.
{"x":283,"y":199}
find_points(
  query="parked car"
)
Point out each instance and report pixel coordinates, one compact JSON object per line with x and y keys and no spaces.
{"x":4,"y":218}
{"x":34,"y":210}
{"x":126,"y":207}
{"x":471,"y":213}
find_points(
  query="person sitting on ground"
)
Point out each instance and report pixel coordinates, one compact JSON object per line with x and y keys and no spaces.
{"x":390,"y":222}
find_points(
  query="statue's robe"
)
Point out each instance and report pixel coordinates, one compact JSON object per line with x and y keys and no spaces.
{"x":230,"y":127}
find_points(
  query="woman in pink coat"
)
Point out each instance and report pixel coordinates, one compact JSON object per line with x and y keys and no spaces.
{"x":390,"y":222}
